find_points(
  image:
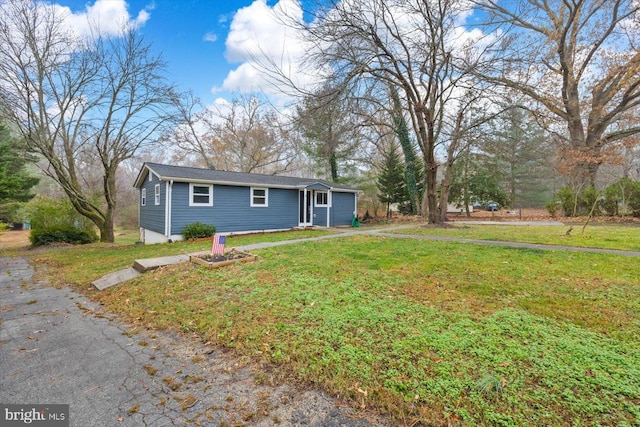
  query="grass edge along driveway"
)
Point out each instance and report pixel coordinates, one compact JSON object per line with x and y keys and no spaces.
{"x":623,"y":238}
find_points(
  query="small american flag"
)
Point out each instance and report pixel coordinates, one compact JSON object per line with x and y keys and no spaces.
{"x":217,"y":248}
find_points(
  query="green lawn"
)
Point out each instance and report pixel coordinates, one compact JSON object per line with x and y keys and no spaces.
{"x":86,"y":263}
{"x":595,"y":236}
{"x":428,"y":332}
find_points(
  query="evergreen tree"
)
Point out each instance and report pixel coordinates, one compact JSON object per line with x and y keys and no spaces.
{"x":412,"y":172}
{"x":459,"y":192}
{"x":485,"y":187}
{"x":15,"y":181}
{"x":519,"y":150}
{"x":476,"y":183}
{"x":390,"y":181}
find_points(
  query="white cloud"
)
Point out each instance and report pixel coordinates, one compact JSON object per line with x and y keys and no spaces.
{"x":210,"y":37}
{"x":223,"y":19}
{"x":258,"y":38}
{"x":221,"y":101}
{"x":258,"y":30}
{"x":109,"y":17}
{"x":104,"y":17}
{"x":245,"y":78}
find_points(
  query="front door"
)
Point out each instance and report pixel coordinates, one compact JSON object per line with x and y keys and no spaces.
{"x":306,"y":208}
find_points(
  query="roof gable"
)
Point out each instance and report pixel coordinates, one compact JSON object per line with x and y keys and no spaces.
{"x":212,"y":176}
{"x":317,"y":186}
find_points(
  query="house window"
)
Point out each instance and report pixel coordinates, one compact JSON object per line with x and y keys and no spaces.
{"x":259,"y":197}
{"x":143,"y":197}
{"x":157,"y":194}
{"x":200,"y":195}
{"x":322,"y":199}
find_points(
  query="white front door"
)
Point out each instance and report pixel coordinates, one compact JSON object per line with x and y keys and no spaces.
{"x":305,"y":201}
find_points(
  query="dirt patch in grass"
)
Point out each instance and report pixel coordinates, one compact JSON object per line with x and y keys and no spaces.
{"x":14,"y":239}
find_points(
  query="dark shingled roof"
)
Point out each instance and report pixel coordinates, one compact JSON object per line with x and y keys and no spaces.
{"x":188,"y":174}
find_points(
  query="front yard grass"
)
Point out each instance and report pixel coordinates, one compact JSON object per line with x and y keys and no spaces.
{"x":428,"y":332}
{"x":83,"y":264}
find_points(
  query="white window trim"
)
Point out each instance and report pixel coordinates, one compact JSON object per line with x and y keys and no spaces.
{"x":157,"y":195}
{"x":322,"y":205}
{"x":143,"y":197}
{"x":191,"y":202}
{"x":266,"y":197}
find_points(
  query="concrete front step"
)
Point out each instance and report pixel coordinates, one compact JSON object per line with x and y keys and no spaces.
{"x":139,"y":266}
{"x":115,"y":278}
{"x":144,"y":265}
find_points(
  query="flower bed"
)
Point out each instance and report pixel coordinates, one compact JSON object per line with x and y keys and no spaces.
{"x":215,"y":261}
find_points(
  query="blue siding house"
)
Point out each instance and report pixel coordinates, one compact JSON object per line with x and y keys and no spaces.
{"x":174,"y":196}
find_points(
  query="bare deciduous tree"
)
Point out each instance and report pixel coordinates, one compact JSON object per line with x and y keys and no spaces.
{"x":463,"y":125}
{"x":191,"y":136}
{"x":246,"y":135}
{"x":412,"y":46}
{"x":76,"y":99}
{"x":329,"y":122}
{"x":579,"y":61}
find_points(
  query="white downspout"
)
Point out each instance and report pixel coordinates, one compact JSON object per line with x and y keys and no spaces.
{"x":355,"y":204}
{"x":140,"y":236}
{"x":168,"y":209}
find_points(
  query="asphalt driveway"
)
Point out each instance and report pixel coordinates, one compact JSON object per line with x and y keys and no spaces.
{"x":57,"y":347}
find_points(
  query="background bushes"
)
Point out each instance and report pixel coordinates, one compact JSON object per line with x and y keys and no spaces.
{"x":59,"y":234}
{"x":56,"y":221}
{"x":618,"y":199}
{"x":45,"y":212}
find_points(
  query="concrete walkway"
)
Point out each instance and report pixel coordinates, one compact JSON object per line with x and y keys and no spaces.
{"x":512,"y":244}
{"x":143,"y":265}
{"x":513,"y":223}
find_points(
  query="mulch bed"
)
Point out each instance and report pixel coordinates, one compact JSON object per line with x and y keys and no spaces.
{"x":232,"y":257}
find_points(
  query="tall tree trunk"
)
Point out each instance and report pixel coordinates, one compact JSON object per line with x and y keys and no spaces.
{"x":107,"y":234}
{"x":444,"y":190}
{"x":106,"y":229}
{"x":427,"y":139}
{"x":432,"y":169}
{"x":431,"y":194}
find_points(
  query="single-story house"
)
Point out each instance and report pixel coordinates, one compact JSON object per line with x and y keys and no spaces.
{"x":234,"y":202}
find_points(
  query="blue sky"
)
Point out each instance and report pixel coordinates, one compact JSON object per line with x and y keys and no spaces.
{"x":193,"y":37}
{"x":211,"y":46}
